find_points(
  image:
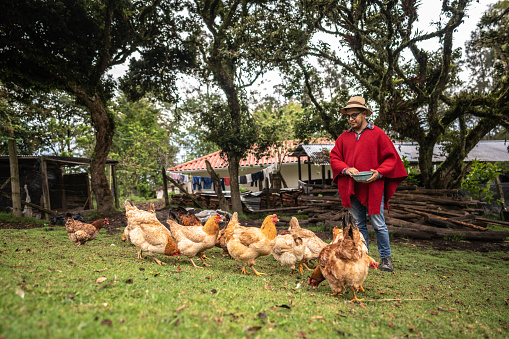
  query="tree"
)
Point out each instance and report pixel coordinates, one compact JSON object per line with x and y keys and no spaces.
{"x":70,"y":45}
{"x":238,"y":41}
{"x":411,"y":92}
{"x":141,"y":145}
{"x":49,"y":123}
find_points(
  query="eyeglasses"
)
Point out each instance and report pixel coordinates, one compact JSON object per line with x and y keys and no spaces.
{"x":352,"y":116}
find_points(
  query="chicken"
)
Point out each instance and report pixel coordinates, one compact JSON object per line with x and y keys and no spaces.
{"x":194,"y":240}
{"x":125,"y":234}
{"x":80,"y":232}
{"x":313,"y":244}
{"x":148,"y":234}
{"x":289,"y":248}
{"x":183,"y":217}
{"x":345,"y":262}
{"x":249,"y":243}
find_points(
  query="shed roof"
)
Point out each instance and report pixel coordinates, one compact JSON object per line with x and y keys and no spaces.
{"x":485,"y":150}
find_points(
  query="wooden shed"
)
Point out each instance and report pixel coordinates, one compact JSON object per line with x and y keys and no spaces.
{"x":47,"y":184}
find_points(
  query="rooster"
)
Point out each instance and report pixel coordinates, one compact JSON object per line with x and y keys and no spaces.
{"x":289,"y":248}
{"x":249,"y":243}
{"x":148,"y":234}
{"x":313,"y":244}
{"x":80,"y":232}
{"x":345,"y":262}
{"x":194,"y":240}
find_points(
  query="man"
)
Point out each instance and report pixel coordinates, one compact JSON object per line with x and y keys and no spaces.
{"x":365,"y":147}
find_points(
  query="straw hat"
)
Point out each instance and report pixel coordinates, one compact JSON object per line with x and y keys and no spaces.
{"x":356,"y":102}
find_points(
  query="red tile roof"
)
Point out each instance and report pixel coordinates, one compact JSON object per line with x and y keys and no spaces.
{"x":217,"y":161}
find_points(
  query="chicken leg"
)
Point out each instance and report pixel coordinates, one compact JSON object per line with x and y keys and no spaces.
{"x":203,"y":261}
{"x":354,"y":296}
{"x":256,"y":272}
{"x":192,"y":262}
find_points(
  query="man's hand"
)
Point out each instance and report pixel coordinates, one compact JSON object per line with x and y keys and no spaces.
{"x":374,"y":176}
{"x":352,"y":170}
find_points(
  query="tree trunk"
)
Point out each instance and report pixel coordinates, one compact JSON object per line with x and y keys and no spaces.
{"x":426,"y":162}
{"x":104,"y":128}
{"x":233,"y":169}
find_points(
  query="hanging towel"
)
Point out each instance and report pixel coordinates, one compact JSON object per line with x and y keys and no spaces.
{"x":249,"y":178}
{"x":242,"y":179}
{"x":266,"y":174}
{"x":196,"y":183}
{"x":184,"y":179}
{"x":227,"y":181}
{"x":207,"y":182}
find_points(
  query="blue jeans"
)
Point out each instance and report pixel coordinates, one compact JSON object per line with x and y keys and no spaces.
{"x":359,"y":212}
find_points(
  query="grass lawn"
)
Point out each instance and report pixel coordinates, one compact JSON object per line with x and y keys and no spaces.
{"x":50,"y":289}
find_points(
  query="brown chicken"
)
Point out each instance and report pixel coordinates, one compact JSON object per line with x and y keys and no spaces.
{"x":249,"y":243}
{"x":313,"y":244}
{"x":345,"y":262}
{"x":148,"y":234}
{"x":289,"y":248}
{"x":183,"y":217}
{"x":80,"y":232}
{"x":194,"y":240}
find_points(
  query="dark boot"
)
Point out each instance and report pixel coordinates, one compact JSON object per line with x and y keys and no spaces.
{"x":386,"y":264}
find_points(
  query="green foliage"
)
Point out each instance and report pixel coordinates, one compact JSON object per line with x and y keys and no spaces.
{"x":141,"y":145}
{"x":413,"y":174}
{"x":476,"y":182}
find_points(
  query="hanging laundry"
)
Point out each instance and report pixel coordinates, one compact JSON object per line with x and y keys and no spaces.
{"x":227,"y":181}
{"x":249,"y":178}
{"x":242,"y":179}
{"x":196,"y":183}
{"x":184,"y":179}
{"x":256,"y":176}
{"x":222,"y":184}
{"x":207,"y":182}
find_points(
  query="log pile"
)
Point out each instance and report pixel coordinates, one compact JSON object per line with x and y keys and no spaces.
{"x":414,"y":212}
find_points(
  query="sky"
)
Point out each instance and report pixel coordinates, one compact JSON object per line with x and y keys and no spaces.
{"x":429,"y":11}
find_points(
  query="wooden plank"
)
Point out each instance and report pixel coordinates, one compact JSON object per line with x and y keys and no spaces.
{"x":268,"y":210}
{"x":115,"y":186}
{"x":165,"y":188}
{"x":62,"y":185}
{"x":15,"y":186}
{"x":491,"y":221}
{"x":452,"y":220}
{"x":45,"y":186}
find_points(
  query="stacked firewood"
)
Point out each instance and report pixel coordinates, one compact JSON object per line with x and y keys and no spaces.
{"x":290,"y":198}
{"x":414,"y":213}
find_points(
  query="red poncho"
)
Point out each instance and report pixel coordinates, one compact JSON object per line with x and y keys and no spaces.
{"x":373,"y":150}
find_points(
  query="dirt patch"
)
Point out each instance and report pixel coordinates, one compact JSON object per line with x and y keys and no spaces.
{"x":118,"y":221}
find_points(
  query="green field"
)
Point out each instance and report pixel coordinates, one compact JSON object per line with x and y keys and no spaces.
{"x":50,"y":289}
